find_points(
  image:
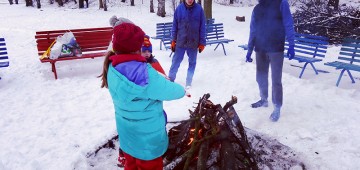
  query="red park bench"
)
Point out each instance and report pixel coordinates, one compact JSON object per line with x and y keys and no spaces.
{"x":93,"y":42}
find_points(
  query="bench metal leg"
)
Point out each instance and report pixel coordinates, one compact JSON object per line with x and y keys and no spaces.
{"x":161,"y":44}
{"x":53,"y":69}
{"x":312,"y":65}
{"x":216,"y":46}
{"x":223,"y":48}
{"x":341,"y":74}
{"x":303,"y":69}
{"x":351,"y":77}
{"x":171,"y":54}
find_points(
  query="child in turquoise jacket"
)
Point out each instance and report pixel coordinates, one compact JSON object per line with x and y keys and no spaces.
{"x":138,"y":92}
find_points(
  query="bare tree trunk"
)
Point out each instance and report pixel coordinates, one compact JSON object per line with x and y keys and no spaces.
{"x":161,"y":8}
{"x":152,"y":6}
{"x":122,"y":0}
{"x":38,"y":4}
{"x":231,"y":1}
{"x":132,"y":3}
{"x":28,"y":3}
{"x":81,"y":3}
{"x":101,"y":5}
{"x":208,"y":9}
{"x":60,"y":2}
{"x":105,"y":6}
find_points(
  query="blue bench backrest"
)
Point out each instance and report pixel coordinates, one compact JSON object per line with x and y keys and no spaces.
{"x":350,"y":50}
{"x":310,"y":45}
{"x":214,"y":31}
{"x":163,"y":30}
{"x":4,"y":59}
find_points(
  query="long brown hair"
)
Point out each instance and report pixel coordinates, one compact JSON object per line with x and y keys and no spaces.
{"x":105,"y":69}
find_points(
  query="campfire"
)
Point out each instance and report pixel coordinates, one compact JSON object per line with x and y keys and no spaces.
{"x":214,"y":138}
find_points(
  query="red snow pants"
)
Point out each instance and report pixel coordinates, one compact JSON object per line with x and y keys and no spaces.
{"x":132,"y":163}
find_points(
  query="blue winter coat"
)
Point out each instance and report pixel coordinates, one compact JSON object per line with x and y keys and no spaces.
{"x":271,"y":21}
{"x":137,"y":91}
{"x":188,"y":28}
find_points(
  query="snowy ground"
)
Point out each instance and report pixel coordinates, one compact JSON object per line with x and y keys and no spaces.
{"x":53,"y":124}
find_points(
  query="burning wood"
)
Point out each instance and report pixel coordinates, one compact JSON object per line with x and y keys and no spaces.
{"x":214,"y":138}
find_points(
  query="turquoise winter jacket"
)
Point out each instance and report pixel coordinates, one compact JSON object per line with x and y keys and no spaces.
{"x":139,"y":113}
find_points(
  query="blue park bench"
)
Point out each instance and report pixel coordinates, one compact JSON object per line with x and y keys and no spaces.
{"x":309,"y":49}
{"x":349,"y":56}
{"x":215,"y":35}
{"x":4,"y":59}
{"x":163,"y":32}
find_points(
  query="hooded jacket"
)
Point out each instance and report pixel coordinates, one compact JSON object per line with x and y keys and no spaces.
{"x":271,"y":21}
{"x":138,"y":92}
{"x":188,"y":28}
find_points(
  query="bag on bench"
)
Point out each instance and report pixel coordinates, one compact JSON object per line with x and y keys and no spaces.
{"x":65,"y":46}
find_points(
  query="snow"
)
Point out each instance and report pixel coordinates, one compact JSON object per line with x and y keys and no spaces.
{"x":54,"y":124}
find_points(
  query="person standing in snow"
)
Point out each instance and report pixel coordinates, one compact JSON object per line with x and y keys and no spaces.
{"x":188,"y":35}
{"x":271,"y":22}
{"x":146,"y":51}
{"x":138,"y":92}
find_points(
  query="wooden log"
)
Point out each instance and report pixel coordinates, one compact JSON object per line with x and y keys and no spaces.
{"x":240,"y":19}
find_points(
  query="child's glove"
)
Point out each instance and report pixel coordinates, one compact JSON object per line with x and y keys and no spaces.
{"x":248,"y":57}
{"x":201,"y":48}
{"x":291,"y":52}
{"x":173,"y":45}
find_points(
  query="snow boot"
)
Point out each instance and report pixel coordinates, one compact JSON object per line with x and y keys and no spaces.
{"x":275,"y":115}
{"x":260,"y":103}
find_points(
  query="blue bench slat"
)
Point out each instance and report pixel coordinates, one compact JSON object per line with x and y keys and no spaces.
{"x":307,"y":40}
{"x":3,"y":49}
{"x":313,"y":36}
{"x":351,"y":45}
{"x":4,"y":57}
{"x":2,"y":39}
{"x":2,"y":44}
{"x":349,"y":54}
{"x":351,"y":40}
{"x":3,"y":53}
{"x":219,"y":41}
{"x":349,"y":59}
{"x":350,"y":50}
{"x":4,"y":64}
{"x":310,"y":48}
{"x":308,"y":44}
{"x":312,"y":53}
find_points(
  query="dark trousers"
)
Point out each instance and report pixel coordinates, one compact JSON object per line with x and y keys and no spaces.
{"x":264,"y":61}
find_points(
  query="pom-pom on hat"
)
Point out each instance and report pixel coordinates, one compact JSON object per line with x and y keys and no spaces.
{"x":147,"y":44}
{"x":127,"y":38}
{"x":115,"y":21}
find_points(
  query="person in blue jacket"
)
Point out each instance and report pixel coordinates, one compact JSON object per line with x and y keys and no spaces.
{"x":188,"y":35}
{"x":138,"y":92}
{"x":271,"y":22}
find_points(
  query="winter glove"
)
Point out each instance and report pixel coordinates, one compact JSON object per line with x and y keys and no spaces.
{"x":173,"y":45}
{"x":248,"y":56}
{"x":201,"y":48}
{"x":291,"y":52}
